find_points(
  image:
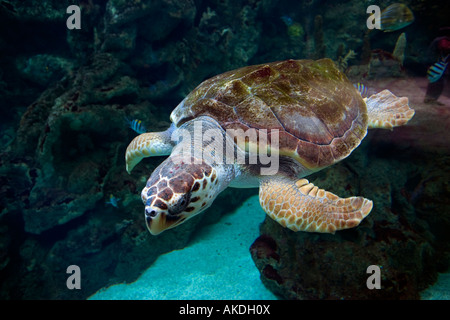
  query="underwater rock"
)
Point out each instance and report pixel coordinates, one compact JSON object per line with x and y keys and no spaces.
{"x":65,"y":135}
{"x":166,"y":18}
{"x":43,"y":69}
{"x":121,"y":43}
{"x":235,"y":34}
{"x":119,"y":13}
{"x":5,"y":241}
{"x":40,"y":11}
{"x":215,"y":45}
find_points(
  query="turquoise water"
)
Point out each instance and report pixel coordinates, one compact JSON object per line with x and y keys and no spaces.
{"x":216,"y":265}
{"x":440,"y":290}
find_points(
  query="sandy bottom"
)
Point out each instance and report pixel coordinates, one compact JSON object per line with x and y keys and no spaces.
{"x":216,"y":265}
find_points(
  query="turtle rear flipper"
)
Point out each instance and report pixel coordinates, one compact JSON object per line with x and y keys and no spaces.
{"x":387,"y":111}
{"x":301,"y":206}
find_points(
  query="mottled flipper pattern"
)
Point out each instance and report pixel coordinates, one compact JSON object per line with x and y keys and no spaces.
{"x":147,"y":145}
{"x":301,"y":206}
{"x":387,"y":111}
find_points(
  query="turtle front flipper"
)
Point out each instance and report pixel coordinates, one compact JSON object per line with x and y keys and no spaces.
{"x":148,"y":145}
{"x":386,"y":110}
{"x":301,"y":206}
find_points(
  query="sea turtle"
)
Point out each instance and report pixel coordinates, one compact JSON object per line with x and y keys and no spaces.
{"x":309,"y":107}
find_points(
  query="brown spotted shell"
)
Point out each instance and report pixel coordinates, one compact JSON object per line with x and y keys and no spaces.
{"x":320,"y":116}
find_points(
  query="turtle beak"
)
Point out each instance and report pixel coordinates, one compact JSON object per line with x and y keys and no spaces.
{"x":159,"y":221}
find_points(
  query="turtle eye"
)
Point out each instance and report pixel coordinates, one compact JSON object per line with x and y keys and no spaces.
{"x":180,"y":205}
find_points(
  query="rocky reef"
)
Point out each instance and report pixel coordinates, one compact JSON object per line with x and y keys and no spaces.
{"x":66,"y":95}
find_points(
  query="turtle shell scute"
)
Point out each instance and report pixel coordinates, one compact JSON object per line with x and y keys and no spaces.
{"x":320,"y":116}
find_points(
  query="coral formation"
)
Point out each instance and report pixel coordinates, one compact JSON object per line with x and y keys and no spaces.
{"x":342,"y":61}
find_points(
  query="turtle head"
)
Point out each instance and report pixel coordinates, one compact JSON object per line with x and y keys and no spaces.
{"x":178,"y":190}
